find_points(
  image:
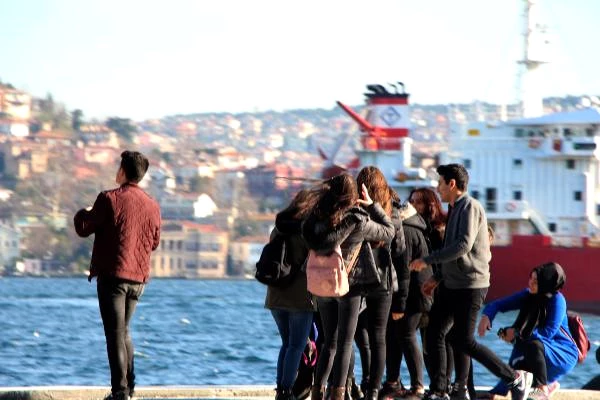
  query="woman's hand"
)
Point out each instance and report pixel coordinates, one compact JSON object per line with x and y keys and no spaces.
{"x":366,"y":200}
{"x":484,"y":325}
{"x":429,"y":286}
{"x":397,"y":316}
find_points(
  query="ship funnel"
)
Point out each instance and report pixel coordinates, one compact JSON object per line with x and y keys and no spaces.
{"x":387,"y":121}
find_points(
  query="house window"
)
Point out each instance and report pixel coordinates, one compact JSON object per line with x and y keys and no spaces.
{"x":589,"y":132}
{"x":552,"y":227}
{"x":578,"y":195}
{"x":490,"y":199}
{"x":517,"y":195}
{"x":517,"y":163}
{"x":475,"y":194}
{"x":570,"y":164}
{"x":467,"y":163}
{"x":597,"y":209}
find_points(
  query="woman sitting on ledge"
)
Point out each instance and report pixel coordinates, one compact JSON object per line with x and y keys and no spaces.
{"x":542,"y":344}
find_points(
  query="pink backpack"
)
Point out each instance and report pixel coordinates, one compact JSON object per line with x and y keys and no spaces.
{"x":327,"y":276}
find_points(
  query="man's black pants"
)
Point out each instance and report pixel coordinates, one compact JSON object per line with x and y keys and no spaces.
{"x":117,"y":299}
{"x":458,"y":309}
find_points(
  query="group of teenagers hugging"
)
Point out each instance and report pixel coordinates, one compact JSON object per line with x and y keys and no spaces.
{"x":434,"y":269}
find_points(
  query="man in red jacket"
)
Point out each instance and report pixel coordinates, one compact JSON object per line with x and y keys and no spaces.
{"x":126,"y":224}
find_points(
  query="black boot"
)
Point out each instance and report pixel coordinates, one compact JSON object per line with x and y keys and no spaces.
{"x":372,"y":394}
{"x":317,"y":393}
{"x":285,"y":394}
{"x":355,"y":391}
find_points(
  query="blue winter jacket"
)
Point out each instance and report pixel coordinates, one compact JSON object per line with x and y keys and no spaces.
{"x":560,"y":350}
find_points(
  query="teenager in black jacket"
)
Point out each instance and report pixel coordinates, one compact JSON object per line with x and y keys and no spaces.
{"x":408,"y":305}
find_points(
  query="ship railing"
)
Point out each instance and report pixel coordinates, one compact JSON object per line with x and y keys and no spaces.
{"x":567,"y":241}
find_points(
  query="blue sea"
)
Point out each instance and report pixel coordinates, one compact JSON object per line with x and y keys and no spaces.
{"x":186,"y":332}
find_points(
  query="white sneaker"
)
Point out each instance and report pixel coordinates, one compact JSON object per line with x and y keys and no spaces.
{"x":520,"y":387}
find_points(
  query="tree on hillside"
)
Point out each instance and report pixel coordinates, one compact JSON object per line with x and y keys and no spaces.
{"x":47,"y":105}
{"x":122,"y":126}
{"x":53,"y":113}
{"x":76,"y":119}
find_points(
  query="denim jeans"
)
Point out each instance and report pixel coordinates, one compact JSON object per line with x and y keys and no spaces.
{"x":294,"y":328}
{"x":117,"y":299}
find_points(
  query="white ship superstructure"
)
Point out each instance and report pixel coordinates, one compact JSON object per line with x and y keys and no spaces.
{"x":535,"y":175}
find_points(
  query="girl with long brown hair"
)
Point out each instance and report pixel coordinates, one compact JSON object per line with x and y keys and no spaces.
{"x":336,"y":220}
{"x":378,"y":299}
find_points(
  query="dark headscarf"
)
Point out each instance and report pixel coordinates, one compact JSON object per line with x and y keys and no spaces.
{"x":551,"y":278}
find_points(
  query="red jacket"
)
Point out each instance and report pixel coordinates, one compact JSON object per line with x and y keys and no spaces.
{"x":126,"y":222}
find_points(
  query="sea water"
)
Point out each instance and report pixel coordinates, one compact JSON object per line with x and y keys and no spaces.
{"x":186,"y":332}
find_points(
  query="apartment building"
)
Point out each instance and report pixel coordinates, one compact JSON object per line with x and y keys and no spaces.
{"x":190,"y":250}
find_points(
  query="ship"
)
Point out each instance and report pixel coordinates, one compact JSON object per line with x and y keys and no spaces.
{"x":538,"y":178}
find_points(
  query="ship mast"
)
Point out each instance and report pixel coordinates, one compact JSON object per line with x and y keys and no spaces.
{"x":534,"y":56}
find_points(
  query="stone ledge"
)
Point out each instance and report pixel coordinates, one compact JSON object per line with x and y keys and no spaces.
{"x":193,"y":392}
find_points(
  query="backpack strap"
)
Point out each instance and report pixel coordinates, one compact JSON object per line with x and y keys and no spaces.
{"x":579,"y":353}
{"x":353,"y":260}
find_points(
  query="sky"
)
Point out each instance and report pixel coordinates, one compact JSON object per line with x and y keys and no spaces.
{"x":152,"y":58}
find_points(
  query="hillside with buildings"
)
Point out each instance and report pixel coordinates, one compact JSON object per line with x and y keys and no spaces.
{"x":219,"y":178}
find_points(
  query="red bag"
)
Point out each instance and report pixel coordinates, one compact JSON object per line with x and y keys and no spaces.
{"x":578,"y":334}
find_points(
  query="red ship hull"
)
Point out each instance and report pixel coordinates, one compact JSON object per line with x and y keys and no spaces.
{"x":510,"y":268}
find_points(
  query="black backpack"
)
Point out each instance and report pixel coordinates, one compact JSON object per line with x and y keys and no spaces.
{"x":273,"y":268}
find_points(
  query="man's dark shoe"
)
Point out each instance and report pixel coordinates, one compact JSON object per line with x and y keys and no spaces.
{"x":117,"y":396}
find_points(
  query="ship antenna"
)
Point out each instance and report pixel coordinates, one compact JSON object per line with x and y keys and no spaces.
{"x":402,"y":86}
{"x":535,"y":43}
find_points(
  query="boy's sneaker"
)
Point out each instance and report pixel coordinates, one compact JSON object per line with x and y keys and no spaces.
{"x":521,"y":385}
